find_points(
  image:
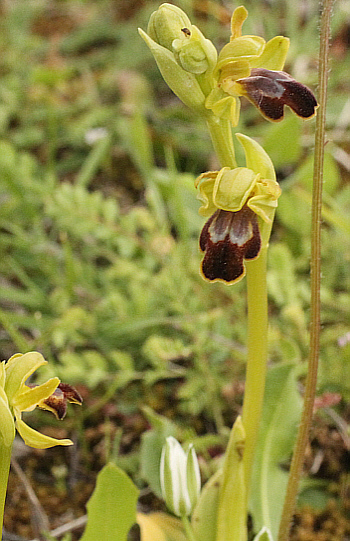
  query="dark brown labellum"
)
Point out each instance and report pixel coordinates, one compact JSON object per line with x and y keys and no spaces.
{"x":270,"y":91}
{"x":70,"y":393}
{"x":57,"y":402}
{"x":227,"y":239}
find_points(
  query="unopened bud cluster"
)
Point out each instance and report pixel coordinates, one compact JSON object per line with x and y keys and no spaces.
{"x":180,"y":478}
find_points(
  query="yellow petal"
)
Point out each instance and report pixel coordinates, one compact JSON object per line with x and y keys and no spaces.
{"x":243,"y":48}
{"x":205,"y":185}
{"x":2,"y":374}
{"x":18,"y":369}
{"x":274,"y":54}
{"x":264,"y":202}
{"x":264,"y":206}
{"x":236,"y":69}
{"x":232,"y":188}
{"x":149,"y":528}
{"x":33,"y":438}
{"x":160,"y":527}
{"x":223,"y":106}
{"x":238,"y":17}
{"x":30,"y":397}
{"x":7,"y":425}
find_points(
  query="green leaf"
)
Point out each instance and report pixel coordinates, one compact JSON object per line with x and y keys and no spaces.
{"x":204,"y":518}
{"x":232,"y":520}
{"x":152,"y":443}
{"x":281,"y":413}
{"x":264,"y":535}
{"x":112,"y":506}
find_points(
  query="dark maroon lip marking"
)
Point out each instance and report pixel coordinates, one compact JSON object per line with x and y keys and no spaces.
{"x":227,"y":239}
{"x":57,"y":402}
{"x":271,"y":90}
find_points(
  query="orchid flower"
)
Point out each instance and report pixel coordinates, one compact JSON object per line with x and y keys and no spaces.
{"x":248,"y":66}
{"x":241,"y":203}
{"x":17,"y":397}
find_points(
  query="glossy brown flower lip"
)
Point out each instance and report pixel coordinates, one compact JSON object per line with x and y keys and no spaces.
{"x":57,"y":402}
{"x":227,"y":239}
{"x":271,"y":90}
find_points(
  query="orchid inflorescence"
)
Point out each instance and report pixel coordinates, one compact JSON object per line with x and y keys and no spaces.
{"x":240,"y":201}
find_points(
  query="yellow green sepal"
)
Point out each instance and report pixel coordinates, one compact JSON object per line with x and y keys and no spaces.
{"x":181,"y":82}
{"x":33,"y":438}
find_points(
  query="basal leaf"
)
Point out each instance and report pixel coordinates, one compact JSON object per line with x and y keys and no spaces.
{"x":281,"y":412}
{"x":204,"y":518}
{"x":231,"y":521}
{"x":112,"y":506}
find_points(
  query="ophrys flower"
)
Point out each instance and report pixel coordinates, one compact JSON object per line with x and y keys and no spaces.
{"x":248,"y":66}
{"x":17,"y":397}
{"x":241,"y":203}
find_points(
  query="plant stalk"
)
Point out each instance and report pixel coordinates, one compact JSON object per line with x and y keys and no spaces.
{"x":5,"y":461}
{"x":188,"y":528}
{"x":315,"y":276}
{"x":256,"y":359}
{"x":221,"y":134}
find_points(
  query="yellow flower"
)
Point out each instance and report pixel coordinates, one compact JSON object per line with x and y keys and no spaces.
{"x":241,"y":203}
{"x":248,"y":66}
{"x":16,"y":397}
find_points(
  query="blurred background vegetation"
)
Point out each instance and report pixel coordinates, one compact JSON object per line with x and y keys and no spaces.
{"x":99,"y":224}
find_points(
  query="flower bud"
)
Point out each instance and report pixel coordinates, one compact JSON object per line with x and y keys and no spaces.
{"x":194,"y":52}
{"x":182,"y":53}
{"x":190,"y":56}
{"x":179,"y":478}
{"x":166,"y":24}
{"x":181,"y":82}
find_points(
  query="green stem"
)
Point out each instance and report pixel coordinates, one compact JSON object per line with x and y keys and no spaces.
{"x":257,"y":357}
{"x":5,"y":460}
{"x":221,"y":135}
{"x":315,"y":277}
{"x":188,"y":529}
